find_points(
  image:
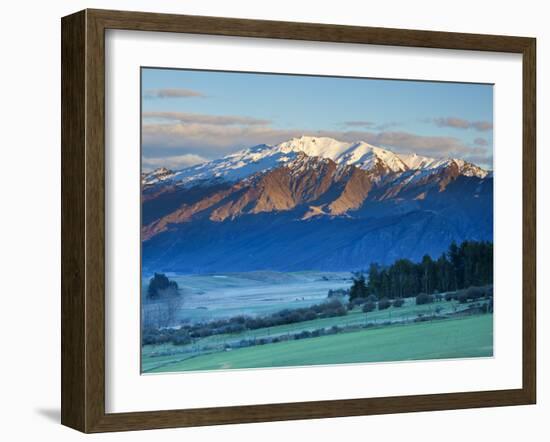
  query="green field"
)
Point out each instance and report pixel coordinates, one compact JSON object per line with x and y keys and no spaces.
{"x":156,"y":355}
{"x":451,"y":338}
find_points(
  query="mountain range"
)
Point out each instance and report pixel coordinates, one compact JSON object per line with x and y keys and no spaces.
{"x":310,"y":203}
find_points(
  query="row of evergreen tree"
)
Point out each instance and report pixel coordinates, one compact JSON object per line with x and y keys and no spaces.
{"x":462,"y":266}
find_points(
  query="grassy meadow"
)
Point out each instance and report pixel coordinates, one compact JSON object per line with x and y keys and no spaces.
{"x":209,"y":297}
{"x":454,"y":338}
{"x":443,"y":329}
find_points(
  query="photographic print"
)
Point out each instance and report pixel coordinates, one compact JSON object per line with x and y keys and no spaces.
{"x":301,"y":220}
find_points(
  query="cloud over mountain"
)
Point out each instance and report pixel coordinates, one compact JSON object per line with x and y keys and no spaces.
{"x":212,"y":135}
{"x":218,"y":120}
{"x":460,"y":123}
{"x":172,"y":162}
{"x":172,"y":93}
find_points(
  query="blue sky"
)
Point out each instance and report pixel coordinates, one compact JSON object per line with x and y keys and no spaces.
{"x":193,"y":116}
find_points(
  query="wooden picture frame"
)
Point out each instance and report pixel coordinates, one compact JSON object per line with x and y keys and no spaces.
{"x":83,"y":220}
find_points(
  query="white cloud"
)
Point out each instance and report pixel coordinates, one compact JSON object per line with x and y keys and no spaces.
{"x":460,"y":123}
{"x":364,"y":124}
{"x":172,"y":93}
{"x":214,"y":136}
{"x":172,"y":162}
{"x":481,"y":142}
{"x":360,"y":123}
{"x":219,"y":120}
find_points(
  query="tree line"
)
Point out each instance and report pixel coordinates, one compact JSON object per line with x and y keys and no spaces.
{"x":185,"y":333}
{"x":160,"y":285}
{"x":461,"y":266}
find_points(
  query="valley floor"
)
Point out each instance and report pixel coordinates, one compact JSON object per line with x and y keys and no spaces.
{"x":458,"y":337}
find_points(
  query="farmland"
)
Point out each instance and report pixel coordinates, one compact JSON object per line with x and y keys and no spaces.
{"x":453,"y":338}
{"x":443,"y":329}
{"x":208,"y":297}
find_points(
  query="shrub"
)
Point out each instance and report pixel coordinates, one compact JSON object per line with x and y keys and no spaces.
{"x":303,"y":334}
{"x":153,"y":337}
{"x":449,"y":296}
{"x":235,"y":328}
{"x":475,"y":293}
{"x":384,"y":304}
{"x":423,"y":298}
{"x":159,"y":283}
{"x":202,"y":332}
{"x":398,"y":302}
{"x":368,"y":307}
{"x":372,"y":298}
{"x":332,"y":304}
{"x":334,"y":309}
{"x":182,"y":339}
{"x":356,"y":302}
{"x":295,"y":317}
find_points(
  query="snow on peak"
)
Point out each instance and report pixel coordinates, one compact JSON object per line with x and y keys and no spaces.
{"x":418,"y":162}
{"x":263,"y":157}
{"x":360,"y":154}
{"x":415,"y":161}
{"x":368,"y":157}
{"x":315,"y":146}
{"x":235,"y":166}
{"x":470,"y":169}
{"x":156,"y":176}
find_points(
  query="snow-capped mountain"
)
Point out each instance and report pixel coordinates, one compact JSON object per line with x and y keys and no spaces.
{"x":360,"y":153}
{"x":262,"y":158}
{"x":311,"y":203}
{"x":419,"y":162}
{"x":415,"y":161}
{"x":156,"y":176}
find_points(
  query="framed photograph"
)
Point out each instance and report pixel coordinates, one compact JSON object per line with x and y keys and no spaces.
{"x":268,"y":221}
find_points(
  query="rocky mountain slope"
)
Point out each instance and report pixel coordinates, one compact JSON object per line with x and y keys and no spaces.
{"x":310,"y":204}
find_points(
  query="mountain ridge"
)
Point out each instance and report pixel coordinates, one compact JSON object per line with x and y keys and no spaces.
{"x":303,"y":206}
{"x":263,"y":157}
